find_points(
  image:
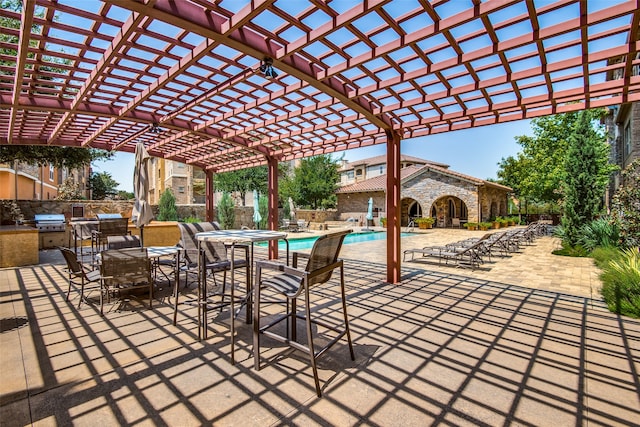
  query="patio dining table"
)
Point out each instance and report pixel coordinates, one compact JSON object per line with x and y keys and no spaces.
{"x":231,"y":238}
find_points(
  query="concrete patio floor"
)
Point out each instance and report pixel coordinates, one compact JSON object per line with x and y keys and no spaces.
{"x":526,"y":340}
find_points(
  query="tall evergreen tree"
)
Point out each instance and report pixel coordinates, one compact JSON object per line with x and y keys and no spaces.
{"x":167,"y":210}
{"x":586,"y":173}
{"x":226,"y":211}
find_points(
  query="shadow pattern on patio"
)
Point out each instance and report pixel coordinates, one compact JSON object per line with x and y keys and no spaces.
{"x":436,"y":349}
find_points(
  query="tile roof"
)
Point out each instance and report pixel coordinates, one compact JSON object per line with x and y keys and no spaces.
{"x":379,"y":183}
{"x":383,"y":160}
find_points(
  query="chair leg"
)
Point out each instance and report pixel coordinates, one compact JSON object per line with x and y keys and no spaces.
{"x":102,"y":291}
{"x":175,"y":296}
{"x":344,"y":312}
{"x":312,"y":354}
{"x":68,"y":290}
{"x":81,"y":292}
{"x":256,"y":320}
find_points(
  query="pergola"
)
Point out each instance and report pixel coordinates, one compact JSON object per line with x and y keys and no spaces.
{"x":231,"y":84}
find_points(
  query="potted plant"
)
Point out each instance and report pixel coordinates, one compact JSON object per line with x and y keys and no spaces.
{"x":383,"y":221}
{"x":471,"y":225}
{"x":484,"y":226}
{"x":425,"y":222}
{"x":495,"y":223}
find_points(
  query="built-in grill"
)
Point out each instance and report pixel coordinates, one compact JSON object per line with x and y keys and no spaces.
{"x":47,"y":223}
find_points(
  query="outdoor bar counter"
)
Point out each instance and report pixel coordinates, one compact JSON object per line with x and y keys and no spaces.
{"x":18,"y":245}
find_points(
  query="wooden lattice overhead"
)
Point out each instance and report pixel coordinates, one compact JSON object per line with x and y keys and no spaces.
{"x":227,"y":84}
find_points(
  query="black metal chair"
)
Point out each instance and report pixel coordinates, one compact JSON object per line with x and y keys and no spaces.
{"x":213,"y":258}
{"x":298,"y":282}
{"x":124,"y":269}
{"x":78,"y":274}
{"x":106,"y":228}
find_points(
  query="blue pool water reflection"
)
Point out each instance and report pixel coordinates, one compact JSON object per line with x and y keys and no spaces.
{"x":307,"y":242}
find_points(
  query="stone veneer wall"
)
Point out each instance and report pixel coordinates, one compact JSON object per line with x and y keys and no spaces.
{"x":355,"y":205}
{"x":244,"y":214}
{"x":431,"y":187}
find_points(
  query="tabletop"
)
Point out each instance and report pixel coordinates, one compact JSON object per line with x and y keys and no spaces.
{"x":237,"y":236}
{"x":158,"y":251}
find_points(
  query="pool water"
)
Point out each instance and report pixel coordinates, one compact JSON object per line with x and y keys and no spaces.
{"x":307,"y":242}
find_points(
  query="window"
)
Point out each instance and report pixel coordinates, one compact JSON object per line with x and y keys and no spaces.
{"x":381,"y":169}
{"x":50,"y":174}
{"x":181,"y":189}
{"x":359,"y":172}
{"x":627,"y":140}
{"x":350,"y":174}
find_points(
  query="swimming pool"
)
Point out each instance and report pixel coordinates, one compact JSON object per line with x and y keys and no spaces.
{"x":296,"y":244}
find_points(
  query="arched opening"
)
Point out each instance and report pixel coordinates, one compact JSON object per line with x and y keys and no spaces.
{"x":411,"y":209}
{"x":446,"y":209}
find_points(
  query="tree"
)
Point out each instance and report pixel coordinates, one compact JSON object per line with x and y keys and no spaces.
{"x":536,"y":173}
{"x":242,"y":181}
{"x":60,"y":157}
{"x":226,"y":211}
{"x":69,"y":190}
{"x":167,"y":210}
{"x":102,"y":185}
{"x":314,"y":183}
{"x":626,"y":205}
{"x":585,"y":177}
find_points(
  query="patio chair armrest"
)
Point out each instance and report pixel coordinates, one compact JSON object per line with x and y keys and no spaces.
{"x":297,"y":255}
{"x":278,"y":266}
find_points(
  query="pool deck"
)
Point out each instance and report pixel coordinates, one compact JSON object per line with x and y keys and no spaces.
{"x":526,"y":340}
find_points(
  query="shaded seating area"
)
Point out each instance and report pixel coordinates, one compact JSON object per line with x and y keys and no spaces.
{"x":437,"y":347}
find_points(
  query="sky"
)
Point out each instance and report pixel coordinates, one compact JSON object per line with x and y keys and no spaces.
{"x":474,"y":152}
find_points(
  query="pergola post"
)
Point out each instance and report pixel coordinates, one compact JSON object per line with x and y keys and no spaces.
{"x":272,"y":198}
{"x":209,"y":190}
{"x":393,"y":207}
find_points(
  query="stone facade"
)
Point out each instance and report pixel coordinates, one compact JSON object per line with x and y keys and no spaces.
{"x":440,"y":193}
{"x":433,"y":190}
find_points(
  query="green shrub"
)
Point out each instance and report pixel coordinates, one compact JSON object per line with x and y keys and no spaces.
{"x":574,"y":251}
{"x":167,"y":210}
{"x":263,"y":208}
{"x":601,"y":232}
{"x":621,"y":283}
{"x":191,"y":219}
{"x":226,"y":211}
{"x":602,"y":256}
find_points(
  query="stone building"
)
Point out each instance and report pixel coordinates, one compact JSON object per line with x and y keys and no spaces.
{"x":427,"y":189}
{"x":623,"y":135}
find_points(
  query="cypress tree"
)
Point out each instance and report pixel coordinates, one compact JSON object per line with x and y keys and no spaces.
{"x":167,"y":210}
{"x":585,"y":173}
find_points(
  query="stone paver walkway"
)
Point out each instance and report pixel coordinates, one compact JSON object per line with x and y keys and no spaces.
{"x":446,"y":346}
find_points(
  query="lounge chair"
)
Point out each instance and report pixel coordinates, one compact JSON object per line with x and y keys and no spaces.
{"x":462,"y":256}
